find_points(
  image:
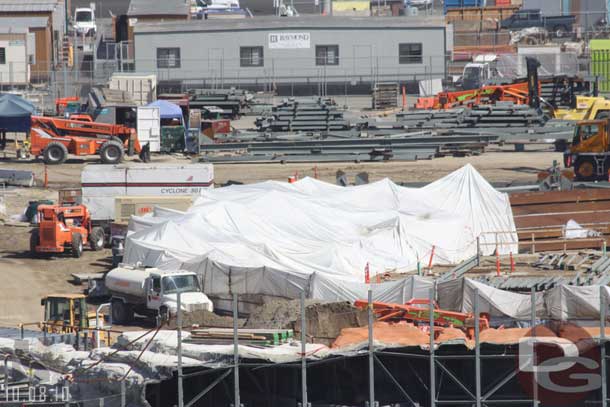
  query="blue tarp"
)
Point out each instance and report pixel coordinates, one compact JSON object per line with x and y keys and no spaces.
{"x":168,"y":110}
{"x":15,"y":113}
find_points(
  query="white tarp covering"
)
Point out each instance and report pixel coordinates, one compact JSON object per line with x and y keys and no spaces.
{"x":573,"y":230}
{"x":277,"y":238}
{"x":459,"y":295}
{"x":563,"y":302}
{"x":571,"y":302}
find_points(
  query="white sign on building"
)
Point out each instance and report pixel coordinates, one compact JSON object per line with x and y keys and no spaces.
{"x":289,"y":40}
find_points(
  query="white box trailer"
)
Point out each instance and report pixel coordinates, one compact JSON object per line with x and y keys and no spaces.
{"x":102,"y":184}
{"x":149,"y":127}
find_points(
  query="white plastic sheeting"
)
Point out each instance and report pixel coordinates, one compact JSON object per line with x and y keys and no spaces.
{"x":277,"y":238}
{"x":562,"y":303}
{"x":459,"y":295}
{"x":570,"y":302}
{"x":573,"y":230}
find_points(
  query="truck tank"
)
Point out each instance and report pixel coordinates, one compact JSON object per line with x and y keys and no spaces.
{"x":129,"y":281}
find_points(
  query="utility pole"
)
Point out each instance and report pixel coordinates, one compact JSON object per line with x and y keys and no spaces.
{"x":65,"y":63}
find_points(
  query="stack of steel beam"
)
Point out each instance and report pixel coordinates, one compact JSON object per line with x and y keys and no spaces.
{"x":308,"y":116}
{"x":500,"y":115}
{"x":231,"y":101}
{"x":504,"y":115}
{"x":405,"y":147}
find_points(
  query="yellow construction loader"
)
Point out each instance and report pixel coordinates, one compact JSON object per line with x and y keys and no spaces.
{"x":586,"y":108}
{"x":68,"y":314}
{"x":589,"y":153}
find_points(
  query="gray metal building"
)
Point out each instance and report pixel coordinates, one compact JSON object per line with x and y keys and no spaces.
{"x":272,"y":52}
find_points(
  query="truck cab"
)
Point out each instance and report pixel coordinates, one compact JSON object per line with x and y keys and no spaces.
{"x":84,"y":21}
{"x":66,"y":313}
{"x":163,"y":289}
{"x":522,"y":19}
{"x":479,"y":72}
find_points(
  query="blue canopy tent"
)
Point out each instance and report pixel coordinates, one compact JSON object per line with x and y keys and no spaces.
{"x":173,"y":138}
{"x":15,"y":113}
{"x":168,"y":110}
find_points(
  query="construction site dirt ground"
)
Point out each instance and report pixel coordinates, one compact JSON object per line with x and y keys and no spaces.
{"x":26,"y":279}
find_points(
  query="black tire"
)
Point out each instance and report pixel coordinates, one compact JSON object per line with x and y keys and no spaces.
{"x":122,"y":313}
{"x":96,"y":238}
{"x":585,"y":169}
{"x":162,"y":316}
{"x":603,"y":115}
{"x":145,"y":153}
{"x":561,"y":145}
{"x":77,"y":245}
{"x":119,"y":312}
{"x":560,"y":31}
{"x":54,"y":153}
{"x":34,"y":241}
{"x":112,"y":152}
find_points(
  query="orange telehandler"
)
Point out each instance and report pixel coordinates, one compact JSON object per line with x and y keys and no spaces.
{"x":54,"y":138}
{"x":62,"y":228}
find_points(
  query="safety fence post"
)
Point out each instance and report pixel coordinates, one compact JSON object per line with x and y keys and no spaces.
{"x":371,"y":352}
{"x":236,"y":352}
{"x":432,"y":362}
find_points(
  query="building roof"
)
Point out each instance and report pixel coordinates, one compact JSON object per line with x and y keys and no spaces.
{"x":24,"y":22}
{"x":158,"y":8}
{"x":25,"y":6}
{"x":13,"y":29}
{"x":289,"y":23}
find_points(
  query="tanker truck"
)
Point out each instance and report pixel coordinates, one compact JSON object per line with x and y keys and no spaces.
{"x":152,"y":293}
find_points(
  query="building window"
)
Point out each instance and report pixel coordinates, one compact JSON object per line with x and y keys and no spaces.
{"x":168,"y":57}
{"x":410,"y":53}
{"x":251,"y":56}
{"x":327,"y":55}
{"x":2,"y":56}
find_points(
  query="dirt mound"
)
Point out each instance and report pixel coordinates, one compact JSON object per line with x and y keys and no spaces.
{"x":401,"y":334}
{"x":324,"y":320}
{"x":512,"y":335}
{"x":206,"y":319}
{"x":450,"y":334}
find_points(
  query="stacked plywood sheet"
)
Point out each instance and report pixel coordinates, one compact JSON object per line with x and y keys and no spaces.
{"x":261,"y":337}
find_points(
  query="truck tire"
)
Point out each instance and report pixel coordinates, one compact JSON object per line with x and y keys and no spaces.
{"x":603,"y":115}
{"x":585,"y":169}
{"x":560,"y":31}
{"x":122,"y":313}
{"x":118,"y":312}
{"x":561,"y":145}
{"x":54,"y":153}
{"x":145,"y":153}
{"x":96,"y":238}
{"x":77,"y":245}
{"x":112,"y":152}
{"x":34,"y":241}
{"x":163,"y":316}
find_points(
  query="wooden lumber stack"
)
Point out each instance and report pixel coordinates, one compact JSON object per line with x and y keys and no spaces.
{"x":258,"y":337}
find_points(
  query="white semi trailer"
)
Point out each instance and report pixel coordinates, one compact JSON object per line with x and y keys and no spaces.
{"x":152,"y":293}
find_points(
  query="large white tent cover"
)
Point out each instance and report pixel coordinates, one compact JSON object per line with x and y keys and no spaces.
{"x":277,"y":238}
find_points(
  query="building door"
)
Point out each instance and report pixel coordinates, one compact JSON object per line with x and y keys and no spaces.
{"x":216,"y":67}
{"x":362,"y":64}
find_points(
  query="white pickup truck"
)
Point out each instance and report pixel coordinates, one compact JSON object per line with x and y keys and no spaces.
{"x":84,"y":21}
{"x":152,"y":293}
